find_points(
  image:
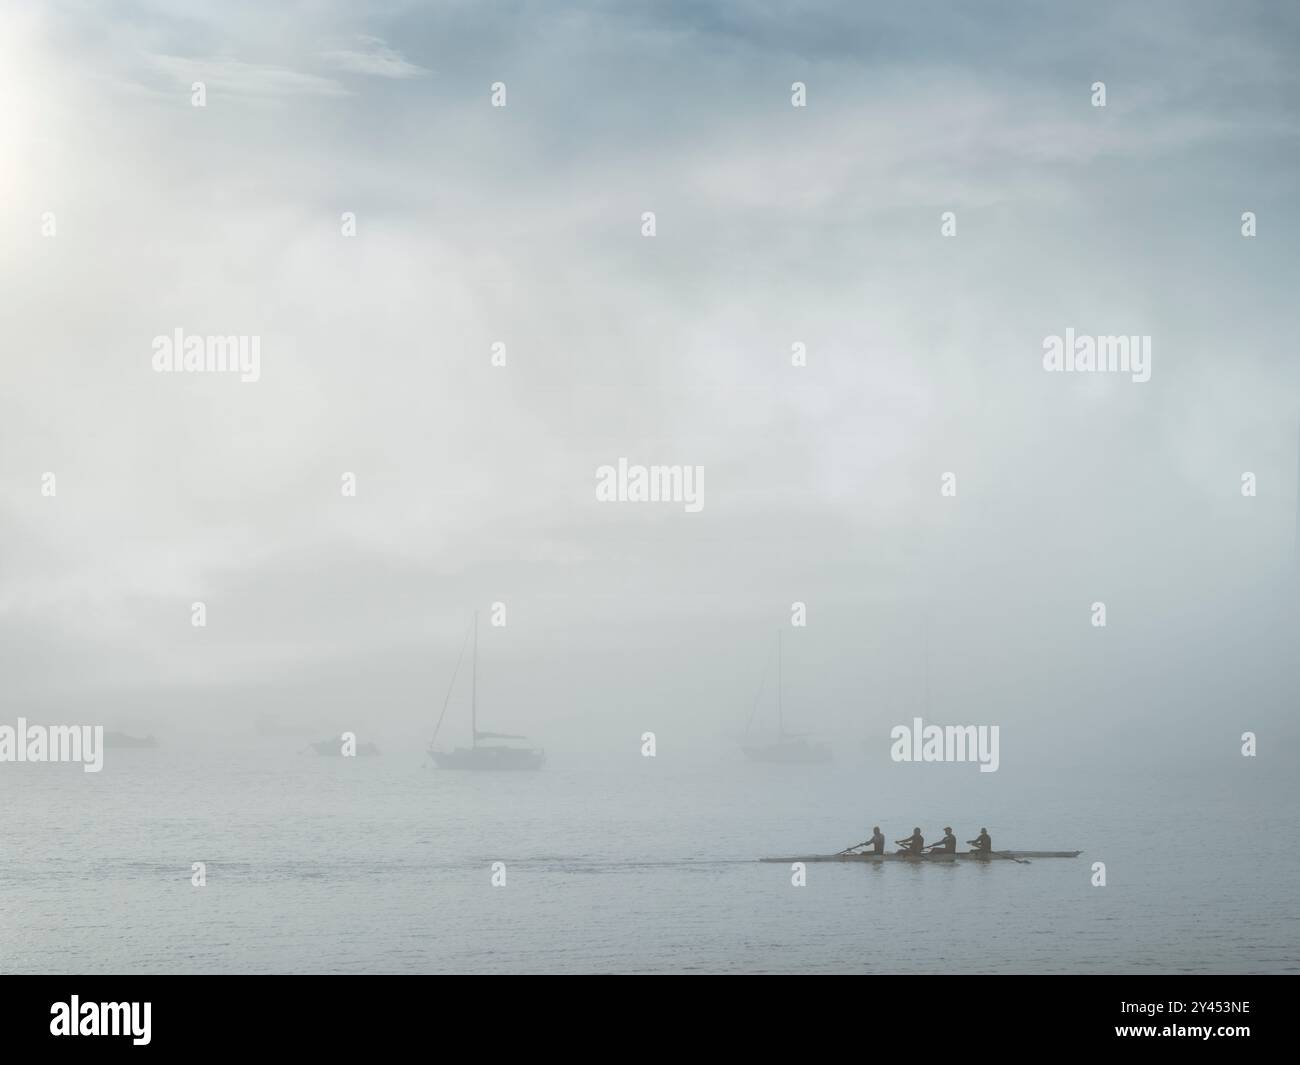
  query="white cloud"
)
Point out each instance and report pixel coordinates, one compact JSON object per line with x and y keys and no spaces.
{"x":247,"y":79}
{"x":375,"y":58}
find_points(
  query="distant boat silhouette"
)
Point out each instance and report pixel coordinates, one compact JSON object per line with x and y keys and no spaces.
{"x":335,"y":748}
{"x":121,"y":739}
{"x":788,"y":748}
{"x":482,"y":755}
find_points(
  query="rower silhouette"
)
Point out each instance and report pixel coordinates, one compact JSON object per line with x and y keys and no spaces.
{"x":981,"y":844}
{"x":913,"y":844}
{"x":877,"y":840}
{"x":947,"y":845}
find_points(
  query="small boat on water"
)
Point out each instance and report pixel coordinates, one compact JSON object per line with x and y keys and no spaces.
{"x":335,"y":747}
{"x":489,"y":756}
{"x":787,"y":748}
{"x":932,"y":856}
{"x":122,"y":740}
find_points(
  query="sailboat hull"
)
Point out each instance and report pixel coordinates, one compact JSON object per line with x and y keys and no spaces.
{"x":788,"y":753}
{"x":489,"y":758}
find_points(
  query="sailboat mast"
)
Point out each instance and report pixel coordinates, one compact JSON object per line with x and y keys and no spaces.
{"x":780,"y":717}
{"x":473,"y":687}
{"x":1297,"y":509}
{"x":925,"y":662}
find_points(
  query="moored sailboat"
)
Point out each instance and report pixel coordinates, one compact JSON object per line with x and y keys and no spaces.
{"x":482,"y":755}
{"x":789,"y":748}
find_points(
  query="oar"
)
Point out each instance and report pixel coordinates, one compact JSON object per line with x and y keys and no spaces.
{"x":855,"y":846}
{"x":1012,"y":857}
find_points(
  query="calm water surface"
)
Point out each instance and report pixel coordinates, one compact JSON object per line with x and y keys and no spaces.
{"x":384,"y":865}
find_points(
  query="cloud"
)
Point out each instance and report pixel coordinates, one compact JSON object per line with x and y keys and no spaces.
{"x":376,"y":59}
{"x":777,"y":225}
{"x":247,"y":79}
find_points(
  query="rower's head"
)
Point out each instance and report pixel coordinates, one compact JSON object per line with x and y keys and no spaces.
{"x":916,"y":831}
{"x":947,"y":828}
{"x":875,"y":828}
{"x":985,"y":831}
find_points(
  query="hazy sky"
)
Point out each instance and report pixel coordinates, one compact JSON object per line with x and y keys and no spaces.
{"x":775,"y":225}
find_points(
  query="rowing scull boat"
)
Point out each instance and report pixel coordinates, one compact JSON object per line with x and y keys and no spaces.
{"x":969,"y":856}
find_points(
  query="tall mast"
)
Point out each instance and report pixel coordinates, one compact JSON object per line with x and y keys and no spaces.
{"x":1297,"y":510}
{"x":780,"y":718}
{"x":473,"y":687}
{"x":925,"y":661}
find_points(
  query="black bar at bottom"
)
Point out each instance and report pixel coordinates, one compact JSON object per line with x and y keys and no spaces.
{"x":341,"y":1014}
